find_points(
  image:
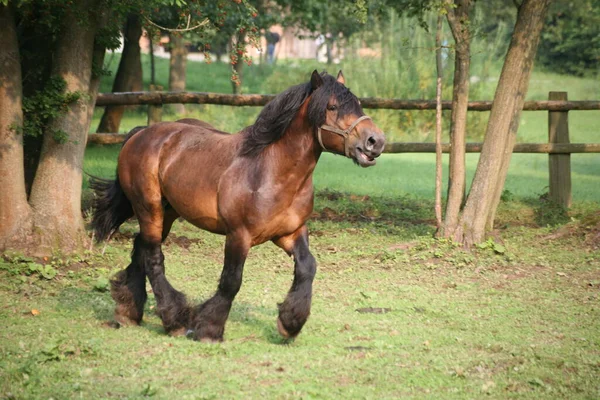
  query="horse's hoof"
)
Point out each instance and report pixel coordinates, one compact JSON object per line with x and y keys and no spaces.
{"x":282,"y":331}
{"x":178,"y":332}
{"x":210,"y":340}
{"x":123,"y":321}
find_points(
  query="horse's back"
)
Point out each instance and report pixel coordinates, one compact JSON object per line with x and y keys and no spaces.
{"x":182,"y":163}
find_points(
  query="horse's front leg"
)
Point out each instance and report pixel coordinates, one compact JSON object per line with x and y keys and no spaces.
{"x":208,"y":319}
{"x":295,"y":309}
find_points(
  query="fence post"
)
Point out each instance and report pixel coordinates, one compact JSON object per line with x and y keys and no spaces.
{"x":559,"y":164}
{"x":154,"y":110}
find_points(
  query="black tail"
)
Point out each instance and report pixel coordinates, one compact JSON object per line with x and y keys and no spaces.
{"x":111,"y":207}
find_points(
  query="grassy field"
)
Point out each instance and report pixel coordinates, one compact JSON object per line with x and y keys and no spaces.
{"x":396,"y":314}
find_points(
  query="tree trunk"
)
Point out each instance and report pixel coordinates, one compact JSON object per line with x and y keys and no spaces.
{"x":458,"y":19}
{"x":56,"y":192}
{"x":504,"y":117}
{"x":329,"y":50}
{"x":152,"y":63}
{"x":512,"y":133}
{"x":14,"y":209}
{"x":129,"y":73}
{"x":177,"y":68}
{"x":438,"y":124}
{"x":236,"y":86}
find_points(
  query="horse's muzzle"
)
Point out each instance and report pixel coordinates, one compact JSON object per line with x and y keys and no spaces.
{"x":371,"y":148}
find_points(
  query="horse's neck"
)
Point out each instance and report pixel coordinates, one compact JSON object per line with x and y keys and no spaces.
{"x":297,"y":151}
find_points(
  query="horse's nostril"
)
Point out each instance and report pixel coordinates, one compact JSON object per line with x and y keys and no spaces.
{"x":370,"y":143}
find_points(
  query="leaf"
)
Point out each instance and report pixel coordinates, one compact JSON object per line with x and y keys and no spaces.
{"x":34,"y":267}
{"x":102,"y":284}
{"x":48,"y":272}
{"x":499,"y":249}
{"x":35,"y":312}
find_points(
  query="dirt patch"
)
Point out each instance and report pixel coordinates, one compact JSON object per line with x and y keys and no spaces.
{"x":373,"y":310}
{"x":182,"y":241}
{"x":587,"y":230}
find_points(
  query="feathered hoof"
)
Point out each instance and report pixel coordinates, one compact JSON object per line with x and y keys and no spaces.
{"x":283,"y":332}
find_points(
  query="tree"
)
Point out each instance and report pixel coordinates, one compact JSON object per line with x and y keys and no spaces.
{"x":477,"y":217}
{"x":51,"y":216}
{"x":336,"y":20}
{"x":236,"y":30}
{"x":129,"y":72}
{"x":48,"y":90}
{"x":457,"y":13}
{"x":480,"y":209}
{"x":571,"y":39}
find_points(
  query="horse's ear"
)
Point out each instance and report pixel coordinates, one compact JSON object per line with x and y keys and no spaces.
{"x":315,"y":80}
{"x":340,"y":78}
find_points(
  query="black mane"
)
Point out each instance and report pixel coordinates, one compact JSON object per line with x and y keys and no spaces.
{"x":277,"y":115}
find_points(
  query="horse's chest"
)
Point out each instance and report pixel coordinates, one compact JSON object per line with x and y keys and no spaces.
{"x":284,"y":217}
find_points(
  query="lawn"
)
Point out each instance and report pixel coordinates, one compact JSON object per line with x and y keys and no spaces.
{"x":396,"y":313}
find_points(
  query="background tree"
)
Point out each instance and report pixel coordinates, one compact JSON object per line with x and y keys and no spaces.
{"x":235,"y":31}
{"x":55,"y":94}
{"x":336,"y":20}
{"x":129,"y":72}
{"x":49,"y":80}
{"x":571,"y":39}
{"x":480,"y":209}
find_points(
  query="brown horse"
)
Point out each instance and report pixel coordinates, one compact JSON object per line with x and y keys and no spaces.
{"x":252,"y":187}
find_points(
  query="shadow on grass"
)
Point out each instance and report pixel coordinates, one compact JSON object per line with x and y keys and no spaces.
{"x":79,"y":301}
{"x":402,"y":215}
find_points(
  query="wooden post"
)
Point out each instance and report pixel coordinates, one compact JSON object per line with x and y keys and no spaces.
{"x":154,"y":110}
{"x":559,"y":164}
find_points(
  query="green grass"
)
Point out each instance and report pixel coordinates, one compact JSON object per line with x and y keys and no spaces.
{"x":517,"y":317}
{"x":516,"y":320}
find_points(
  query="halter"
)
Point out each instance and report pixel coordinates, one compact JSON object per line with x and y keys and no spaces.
{"x":344,"y":133}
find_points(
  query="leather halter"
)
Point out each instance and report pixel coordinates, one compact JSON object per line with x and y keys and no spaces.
{"x":344,"y":133}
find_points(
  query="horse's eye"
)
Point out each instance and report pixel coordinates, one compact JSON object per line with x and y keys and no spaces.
{"x":332,"y":107}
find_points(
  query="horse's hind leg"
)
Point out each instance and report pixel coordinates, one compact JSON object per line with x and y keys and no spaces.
{"x":171,"y":304}
{"x":294,"y":311}
{"x":128,"y":289}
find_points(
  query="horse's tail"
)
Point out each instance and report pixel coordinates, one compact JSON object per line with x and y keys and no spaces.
{"x":111,"y":206}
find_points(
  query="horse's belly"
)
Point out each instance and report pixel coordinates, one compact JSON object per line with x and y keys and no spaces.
{"x":197,"y":205}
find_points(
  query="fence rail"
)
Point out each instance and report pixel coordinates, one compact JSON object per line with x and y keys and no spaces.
{"x":259,"y":100}
{"x":558,"y":148}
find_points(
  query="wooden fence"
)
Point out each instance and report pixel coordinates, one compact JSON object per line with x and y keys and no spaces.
{"x":558,"y":148}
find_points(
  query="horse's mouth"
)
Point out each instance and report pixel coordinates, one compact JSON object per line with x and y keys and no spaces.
{"x":363,"y":159}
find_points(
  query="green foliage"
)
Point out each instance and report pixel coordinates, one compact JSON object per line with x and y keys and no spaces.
{"x":45,"y":105}
{"x":549,"y":213}
{"x":492,"y":245}
{"x":570,"y":41}
{"x":18,"y":265}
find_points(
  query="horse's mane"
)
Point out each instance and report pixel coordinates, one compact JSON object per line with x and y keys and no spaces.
{"x":277,"y":115}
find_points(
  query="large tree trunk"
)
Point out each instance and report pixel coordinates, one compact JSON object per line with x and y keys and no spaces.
{"x":504,"y":118}
{"x":129,"y":73}
{"x":177,"y":68}
{"x":56,"y":192}
{"x":458,"y":19}
{"x":14,"y":209}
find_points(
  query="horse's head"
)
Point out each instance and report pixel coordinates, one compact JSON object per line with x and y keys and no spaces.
{"x":341,"y":125}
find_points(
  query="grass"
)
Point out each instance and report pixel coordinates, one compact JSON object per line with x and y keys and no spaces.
{"x":516,"y":318}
